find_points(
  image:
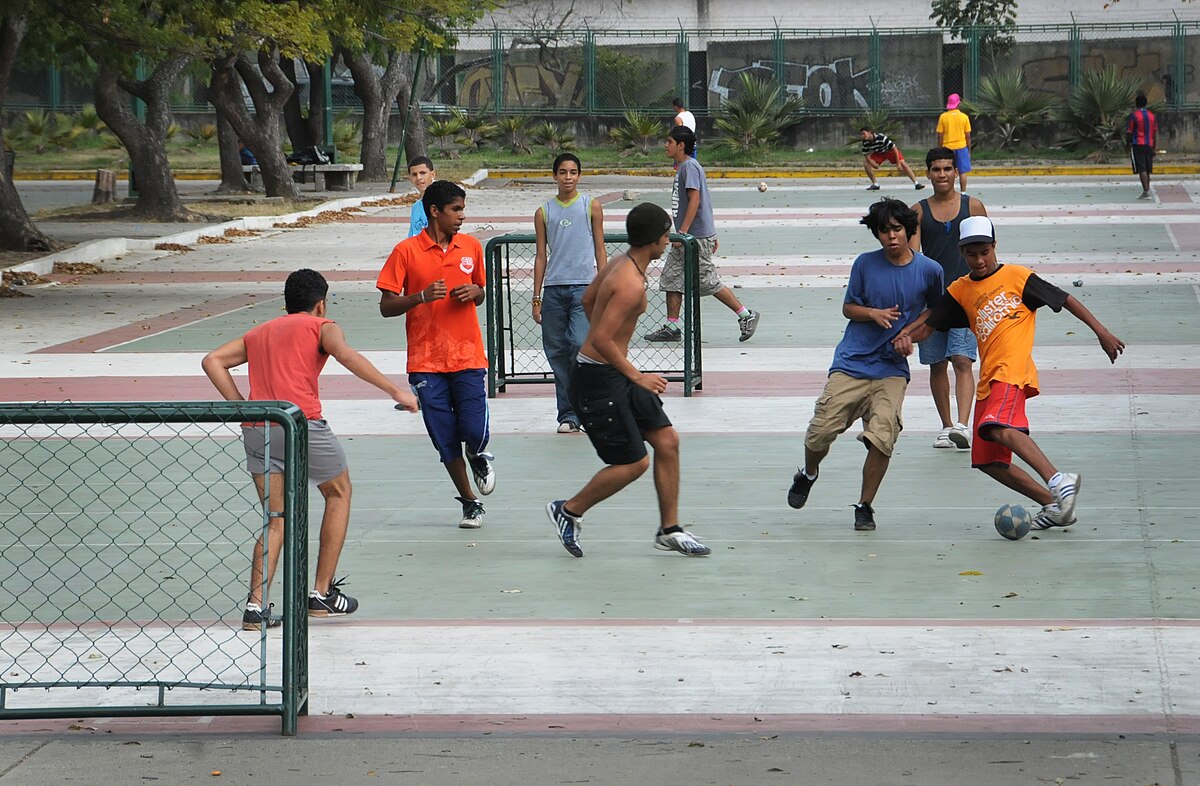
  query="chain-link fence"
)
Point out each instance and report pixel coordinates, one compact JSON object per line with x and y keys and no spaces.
{"x":592,"y":71}
{"x":515,"y":354}
{"x":126,"y":541}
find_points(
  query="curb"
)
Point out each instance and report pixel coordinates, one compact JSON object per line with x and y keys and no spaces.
{"x":96,"y":251}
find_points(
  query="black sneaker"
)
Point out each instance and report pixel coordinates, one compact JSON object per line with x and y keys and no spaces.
{"x":472,"y":517}
{"x":664,"y":333}
{"x":256,"y":619}
{"x":798,"y":493}
{"x":335,"y":603}
{"x":568,"y":526}
{"x":873,"y":187}
{"x":864,"y":518}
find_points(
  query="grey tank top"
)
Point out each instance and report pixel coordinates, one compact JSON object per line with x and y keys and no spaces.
{"x":939,"y":239}
{"x":571,"y":251}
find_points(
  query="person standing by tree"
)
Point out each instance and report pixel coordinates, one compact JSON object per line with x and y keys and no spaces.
{"x":1141,"y":132}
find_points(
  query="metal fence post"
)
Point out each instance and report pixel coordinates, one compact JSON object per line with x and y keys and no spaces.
{"x":497,"y":71}
{"x":777,"y":56}
{"x":971,"y":77}
{"x":1179,"y":66}
{"x":683,"y":66}
{"x":1075,"y":57}
{"x":875,"y":63}
{"x":589,"y":71}
{"x":55,"y":87}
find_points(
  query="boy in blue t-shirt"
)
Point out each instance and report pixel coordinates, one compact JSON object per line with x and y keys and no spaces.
{"x":420,"y":173}
{"x":888,"y":290}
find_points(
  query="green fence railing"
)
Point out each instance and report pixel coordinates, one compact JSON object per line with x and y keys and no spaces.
{"x":515,"y":354}
{"x":126,"y":532}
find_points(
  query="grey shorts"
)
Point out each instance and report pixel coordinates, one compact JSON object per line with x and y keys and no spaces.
{"x":671,"y":279}
{"x":326,"y":459}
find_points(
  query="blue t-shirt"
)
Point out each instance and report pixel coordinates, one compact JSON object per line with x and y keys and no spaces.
{"x":417,"y":219}
{"x":865,"y":351}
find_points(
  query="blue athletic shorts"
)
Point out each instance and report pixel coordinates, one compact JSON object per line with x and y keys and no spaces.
{"x":942,"y":345}
{"x":962,"y":159}
{"x":455,"y":409}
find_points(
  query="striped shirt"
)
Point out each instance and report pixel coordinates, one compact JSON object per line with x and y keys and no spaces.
{"x":1142,"y":127}
{"x":880,"y":144}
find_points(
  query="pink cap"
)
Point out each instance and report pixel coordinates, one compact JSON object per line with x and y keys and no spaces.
{"x":952,"y":101}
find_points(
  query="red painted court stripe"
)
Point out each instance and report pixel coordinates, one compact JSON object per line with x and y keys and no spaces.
{"x":1187,"y":236}
{"x":1171,"y":194}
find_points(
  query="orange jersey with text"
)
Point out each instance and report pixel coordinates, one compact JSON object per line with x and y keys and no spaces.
{"x":443,"y":336}
{"x":1001,"y":311}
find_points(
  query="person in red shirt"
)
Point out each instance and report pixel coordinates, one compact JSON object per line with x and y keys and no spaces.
{"x":436,"y":279}
{"x":286,"y":356}
{"x":999,"y":304}
{"x":1141,"y":132}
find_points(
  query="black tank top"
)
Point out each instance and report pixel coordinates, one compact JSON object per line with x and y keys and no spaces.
{"x":939,"y":239}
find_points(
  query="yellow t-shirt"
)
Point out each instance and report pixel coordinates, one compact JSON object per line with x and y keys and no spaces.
{"x":954,"y":127}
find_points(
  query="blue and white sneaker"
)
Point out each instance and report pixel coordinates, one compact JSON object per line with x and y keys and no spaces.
{"x":568,"y":526}
{"x":681,"y":541}
{"x":1065,"y":493}
{"x":481,"y":468}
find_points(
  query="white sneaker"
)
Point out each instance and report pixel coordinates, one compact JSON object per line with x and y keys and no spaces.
{"x":943,"y":440}
{"x":1051,"y":516}
{"x":960,"y":435}
{"x":481,"y":468}
{"x":681,"y":541}
{"x":1065,"y":493}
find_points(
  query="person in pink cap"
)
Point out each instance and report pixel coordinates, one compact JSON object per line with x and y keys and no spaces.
{"x":954,"y":132}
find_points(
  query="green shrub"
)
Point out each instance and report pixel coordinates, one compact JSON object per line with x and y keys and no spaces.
{"x":1096,"y":110}
{"x":512,"y":130}
{"x":555,"y":138}
{"x":756,"y":116}
{"x":443,"y":131}
{"x":640,"y":133}
{"x":1007,"y":103}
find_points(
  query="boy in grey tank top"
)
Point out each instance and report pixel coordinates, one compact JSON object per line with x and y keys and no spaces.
{"x":570,"y":251}
{"x":937,"y":238}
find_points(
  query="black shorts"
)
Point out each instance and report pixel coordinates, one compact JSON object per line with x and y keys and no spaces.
{"x":1142,"y":158}
{"x":614,"y":412}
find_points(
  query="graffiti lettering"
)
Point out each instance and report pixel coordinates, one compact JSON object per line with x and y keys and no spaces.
{"x":830,"y":85}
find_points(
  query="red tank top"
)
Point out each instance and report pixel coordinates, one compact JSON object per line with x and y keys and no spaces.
{"x":285,"y":361}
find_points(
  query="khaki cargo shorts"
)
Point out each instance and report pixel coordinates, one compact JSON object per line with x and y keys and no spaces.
{"x":877,"y":402}
{"x":671,"y":279}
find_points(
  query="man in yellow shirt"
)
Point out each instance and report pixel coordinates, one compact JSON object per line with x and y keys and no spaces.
{"x":954,"y":132}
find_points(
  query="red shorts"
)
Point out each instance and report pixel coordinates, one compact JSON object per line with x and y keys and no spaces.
{"x":1004,"y":408}
{"x":894,"y":155}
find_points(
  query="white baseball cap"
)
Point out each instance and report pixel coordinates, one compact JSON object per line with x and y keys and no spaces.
{"x":976,"y":229}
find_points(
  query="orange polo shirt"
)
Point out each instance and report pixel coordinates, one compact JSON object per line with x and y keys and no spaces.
{"x":443,"y":336}
{"x":286,"y":358}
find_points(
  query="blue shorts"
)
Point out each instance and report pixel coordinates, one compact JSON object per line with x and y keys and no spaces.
{"x":943,"y":345}
{"x":962,"y":160}
{"x":455,"y":409}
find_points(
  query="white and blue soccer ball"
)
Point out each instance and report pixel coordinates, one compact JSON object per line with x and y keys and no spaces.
{"x":1013,"y":521}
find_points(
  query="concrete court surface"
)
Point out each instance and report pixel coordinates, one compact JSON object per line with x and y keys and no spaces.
{"x":801,"y":652}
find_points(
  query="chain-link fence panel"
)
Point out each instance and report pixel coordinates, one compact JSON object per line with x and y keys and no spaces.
{"x":126,"y":540}
{"x":734,"y":55}
{"x":515,"y":354}
{"x":1143,"y":54}
{"x":640,"y":70}
{"x":913,"y":68}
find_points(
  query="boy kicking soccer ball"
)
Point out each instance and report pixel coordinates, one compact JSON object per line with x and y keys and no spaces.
{"x":999,"y":304}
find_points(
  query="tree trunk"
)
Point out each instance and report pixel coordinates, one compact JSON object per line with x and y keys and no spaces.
{"x":260,"y":132}
{"x":293,"y":119}
{"x":17,"y":231}
{"x":233,"y":180}
{"x":316,"y":103}
{"x":146,"y":142}
{"x":379,"y":93}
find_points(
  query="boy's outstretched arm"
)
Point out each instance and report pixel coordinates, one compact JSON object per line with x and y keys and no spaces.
{"x":333,"y":342}
{"x":1111,"y":345}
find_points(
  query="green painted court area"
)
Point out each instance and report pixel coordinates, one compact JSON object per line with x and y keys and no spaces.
{"x":803,"y":316}
{"x":1129,"y":556}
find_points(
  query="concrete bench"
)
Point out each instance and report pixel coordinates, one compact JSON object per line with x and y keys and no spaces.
{"x":327,"y":177}
{"x":331,"y":177}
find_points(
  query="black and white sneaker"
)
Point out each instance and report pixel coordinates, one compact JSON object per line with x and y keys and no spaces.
{"x":1065,"y":493}
{"x":481,"y":468}
{"x":682,"y":541}
{"x":568,"y":526}
{"x":254,"y":618}
{"x":334,"y":603}
{"x":472,"y":517}
{"x":1051,"y":516}
{"x":747,"y":325}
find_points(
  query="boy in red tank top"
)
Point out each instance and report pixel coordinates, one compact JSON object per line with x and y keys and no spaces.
{"x":286,"y":356}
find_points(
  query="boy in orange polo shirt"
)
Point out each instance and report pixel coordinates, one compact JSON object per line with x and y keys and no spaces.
{"x":436,"y":279}
{"x":999,"y":304}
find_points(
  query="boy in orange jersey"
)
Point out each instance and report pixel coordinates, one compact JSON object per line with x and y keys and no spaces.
{"x":436,"y":279}
{"x":286,"y":356}
{"x":999,"y":303}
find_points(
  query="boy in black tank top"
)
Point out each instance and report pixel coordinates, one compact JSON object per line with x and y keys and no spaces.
{"x":937,"y":238}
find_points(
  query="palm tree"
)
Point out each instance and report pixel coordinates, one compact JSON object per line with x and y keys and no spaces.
{"x":1008,"y":102}
{"x":757,"y":115}
{"x":1096,"y":111}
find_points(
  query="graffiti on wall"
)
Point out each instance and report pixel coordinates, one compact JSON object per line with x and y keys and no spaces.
{"x":525,"y":85}
{"x":833,"y":85}
{"x":1052,"y":73}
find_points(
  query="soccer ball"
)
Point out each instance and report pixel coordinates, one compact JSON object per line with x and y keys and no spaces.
{"x":762,"y":186}
{"x":1012,"y":521}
